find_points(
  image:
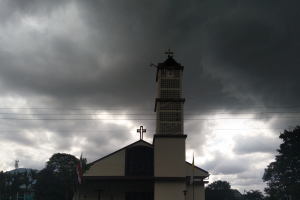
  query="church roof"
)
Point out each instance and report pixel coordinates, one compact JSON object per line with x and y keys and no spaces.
{"x":169,"y":62}
{"x":114,"y":165}
{"x":198,"y":172}
{"x":139,"y":142}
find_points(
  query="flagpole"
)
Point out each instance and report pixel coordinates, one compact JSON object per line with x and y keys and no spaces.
{"x":192,"y":178}
{"x":79,"y":175}
{"x":193,"y":189}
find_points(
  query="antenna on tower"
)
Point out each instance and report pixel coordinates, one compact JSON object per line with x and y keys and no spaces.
{"x":151,"y":64}
{"x":17,"y":164}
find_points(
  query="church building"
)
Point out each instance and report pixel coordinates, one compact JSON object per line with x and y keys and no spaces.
{"x":157,"y":171}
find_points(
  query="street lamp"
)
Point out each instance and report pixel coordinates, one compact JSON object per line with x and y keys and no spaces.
{"x":85,"y":195}
{"x":99,"y":192}
{"x":184,"y":192}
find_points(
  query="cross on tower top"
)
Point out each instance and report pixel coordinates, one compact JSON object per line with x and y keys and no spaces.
{"x":169,"y":52}
{"x":141,"y":131}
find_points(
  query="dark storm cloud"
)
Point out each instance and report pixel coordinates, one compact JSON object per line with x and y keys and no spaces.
{"x":85,"y":76}
{"x":64,"y":70}
{"x":254,"y":51}
{"x":28,"y":7}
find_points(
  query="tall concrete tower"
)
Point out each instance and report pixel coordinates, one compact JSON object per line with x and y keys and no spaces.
{"x":169,"y":140}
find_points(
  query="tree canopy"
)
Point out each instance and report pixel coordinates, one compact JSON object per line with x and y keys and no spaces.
{"x":11,"y":182}
{"x":61,"y":168}
{"x":253,"y":195}
{"x":219,"y":190}
{"x":48,"y":186}
{"x":283,"y":175}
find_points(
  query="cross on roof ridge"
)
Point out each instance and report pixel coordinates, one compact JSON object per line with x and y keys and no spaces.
{"x":141,"y":131}
{"x":169,"y":52}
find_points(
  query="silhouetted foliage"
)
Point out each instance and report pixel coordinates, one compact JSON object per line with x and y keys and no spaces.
{"x":10,"y":184}
{"x":62,"y":169}
{"x":219,"y":190}
{"x":15,"y":184}
{"x":48,"y":186}
{"x":283,"y":175}
{"x":3,"y":185}
{"x":253,"y":195}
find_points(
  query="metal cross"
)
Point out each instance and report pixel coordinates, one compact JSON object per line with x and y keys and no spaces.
{"x":141,"y":131}
{"x":169,"y":52}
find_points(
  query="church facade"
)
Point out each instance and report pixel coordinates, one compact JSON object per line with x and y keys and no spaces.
{"x":157,"y":171}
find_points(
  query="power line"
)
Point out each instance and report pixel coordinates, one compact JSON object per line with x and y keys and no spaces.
{"x":198,"y":108}
{"x":138,"y":119}
{"x":87,"y":114}
{"x":105,"y":131}
{"x":94,"y":109}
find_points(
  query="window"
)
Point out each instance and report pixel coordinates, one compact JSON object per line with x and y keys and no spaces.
{"x":139,"y":161}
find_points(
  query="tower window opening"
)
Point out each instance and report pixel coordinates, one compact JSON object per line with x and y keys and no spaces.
{"x":176,"y":73}
{"x":170,"y":106}
{"x":170,"y":128}
{"x":170,"y":116}
{"x":170,"y":94}
{"x":170,"y":83}
{"x":163,"y":73}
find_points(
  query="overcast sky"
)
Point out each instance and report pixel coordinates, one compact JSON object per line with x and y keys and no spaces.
{"x":75,"y":76}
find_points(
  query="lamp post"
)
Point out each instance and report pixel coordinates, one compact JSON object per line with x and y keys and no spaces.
{"x":85,"y":195}
{"x":99,"y":193}
{"x":184,"y":192}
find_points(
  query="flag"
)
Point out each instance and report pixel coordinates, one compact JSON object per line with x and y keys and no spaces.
{"x":192,"y":173}
{"x":79,"y":169}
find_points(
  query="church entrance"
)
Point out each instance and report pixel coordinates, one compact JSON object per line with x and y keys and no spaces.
{"x":139,"y":196}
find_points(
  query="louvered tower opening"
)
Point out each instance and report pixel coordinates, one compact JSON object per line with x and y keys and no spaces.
{"x":169,"y":101}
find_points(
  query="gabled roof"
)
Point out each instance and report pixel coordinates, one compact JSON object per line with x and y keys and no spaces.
{"x":198,"y":172}
{"x":128,"y":146}
{"x":114,"y":164}
{"x":170,"y":63}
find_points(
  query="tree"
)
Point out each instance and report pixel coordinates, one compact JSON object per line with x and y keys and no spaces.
{"x":2,"y":185}
{"x":219,"y":190}
{"x":10,"y":184}
{"x":28,"y":179}
{"x":61,"y":168}
{"x":8,"y":179}
{"x":33,"y":177}
{"x":283,"y":175}
{"x":253,"y":195}
{"x":16,"y":184}
{"x":48,"y":186}
{"x":64,"y":167}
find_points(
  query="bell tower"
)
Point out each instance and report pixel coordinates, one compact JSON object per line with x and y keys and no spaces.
{"x":169,"y":139}
{"x":169,"y":103}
